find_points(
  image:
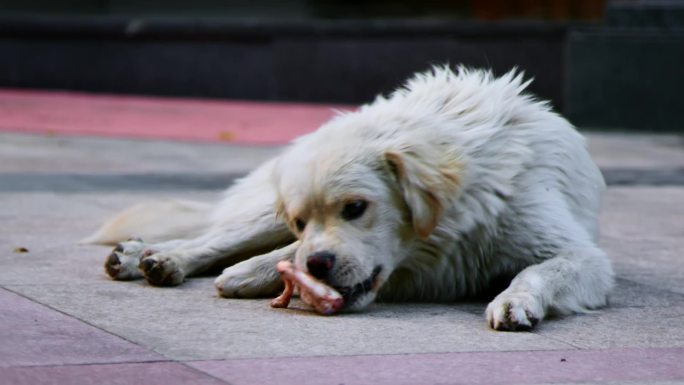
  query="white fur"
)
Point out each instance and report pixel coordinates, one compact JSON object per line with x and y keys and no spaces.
{"x":467,"y":180}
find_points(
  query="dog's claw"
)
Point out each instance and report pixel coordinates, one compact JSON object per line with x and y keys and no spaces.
{"x":514,"y":312}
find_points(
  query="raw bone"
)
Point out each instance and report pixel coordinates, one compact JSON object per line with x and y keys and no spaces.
{"x":323,"y":298}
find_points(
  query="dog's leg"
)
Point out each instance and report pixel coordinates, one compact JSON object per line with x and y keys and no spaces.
{"x":577,"y":277}
{"x":220,"y":247}
{"x":255,"y":277}
{"x":576,"y":280}
{"x":244,"y":224}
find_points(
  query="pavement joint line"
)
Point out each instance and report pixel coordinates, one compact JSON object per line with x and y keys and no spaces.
{"x":673,"y":176}
{"x":431,"y":353}
{"x":550,"y":337}
{"x":81,"y":320}
{"x":197,"y":370}
{"x":280,"y":358}
{"x":150,"y":181}
{"x":95,"y":364}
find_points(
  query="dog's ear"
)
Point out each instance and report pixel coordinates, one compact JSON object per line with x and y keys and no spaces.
{"x":428,"y":182}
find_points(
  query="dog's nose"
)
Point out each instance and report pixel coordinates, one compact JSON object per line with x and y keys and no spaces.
{"x":320,"y":263}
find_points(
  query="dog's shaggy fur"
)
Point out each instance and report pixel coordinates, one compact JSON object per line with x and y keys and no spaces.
{"x":448,"y":187}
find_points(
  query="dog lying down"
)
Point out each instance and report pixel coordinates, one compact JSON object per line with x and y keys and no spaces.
{"x":452,"y":184}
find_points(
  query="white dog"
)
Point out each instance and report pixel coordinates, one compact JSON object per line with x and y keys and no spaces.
{"x":453,"y":184}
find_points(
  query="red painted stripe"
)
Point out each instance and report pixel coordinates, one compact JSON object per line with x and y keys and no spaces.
{"x":486,"y":368}
{"x":66,"y":113}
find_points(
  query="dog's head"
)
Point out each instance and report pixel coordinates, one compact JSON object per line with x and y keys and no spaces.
{"x":358,"y":205}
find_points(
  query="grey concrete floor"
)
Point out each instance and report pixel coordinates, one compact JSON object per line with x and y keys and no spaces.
{"x":55,"y":191}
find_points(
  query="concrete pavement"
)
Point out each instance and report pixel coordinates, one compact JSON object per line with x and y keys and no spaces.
{"x":62,"y":321}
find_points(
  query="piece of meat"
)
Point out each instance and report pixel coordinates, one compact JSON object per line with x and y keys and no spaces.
{"x":324,"y":299}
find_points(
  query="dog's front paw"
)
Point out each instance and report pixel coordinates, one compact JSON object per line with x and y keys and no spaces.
{"x":122,"y":263}
{"x":161,"y":270}
{"x":241,"y":281}
{"x":514,"y":311}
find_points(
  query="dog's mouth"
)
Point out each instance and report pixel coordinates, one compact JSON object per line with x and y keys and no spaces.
{"x":352,"y":293}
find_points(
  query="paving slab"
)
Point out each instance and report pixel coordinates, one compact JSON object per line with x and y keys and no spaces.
{"x":33,"y":334}
{"x":642,"y":228}
{"x":51,"y":198}
{"x":631,"y":294}
{"x":45,"y":155}
{"x":49,"y":225}
{"x":75,"y":284}
{"x":620,"y":327}
{"x":620,"y":150}
{"x":191,"y":323}
{"x":486,"y":368}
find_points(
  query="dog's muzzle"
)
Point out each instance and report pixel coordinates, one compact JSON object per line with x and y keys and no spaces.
{"x":352,"y":293}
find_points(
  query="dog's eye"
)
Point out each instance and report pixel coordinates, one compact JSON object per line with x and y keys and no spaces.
{"x":353,"y":210}
{"x":300,"y":225}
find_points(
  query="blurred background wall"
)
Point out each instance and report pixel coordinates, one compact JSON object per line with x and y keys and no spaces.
{"x":604,"y":63}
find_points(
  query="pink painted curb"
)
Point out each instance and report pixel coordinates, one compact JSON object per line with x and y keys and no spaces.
{"x":486,"y":368}
{"x":154,"y":373}
{"x":69,"y":113}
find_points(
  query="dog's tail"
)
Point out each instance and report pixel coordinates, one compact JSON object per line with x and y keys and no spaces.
{"x":155,"y":222}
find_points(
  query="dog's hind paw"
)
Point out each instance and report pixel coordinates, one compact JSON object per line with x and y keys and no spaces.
{"x":161,"y":270}
{"x":514,"y":311}
{"x":122,"y":263}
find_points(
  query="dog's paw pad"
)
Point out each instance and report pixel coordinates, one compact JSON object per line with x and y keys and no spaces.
{"x":514,"y":312}
{"x":160,"y":270}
